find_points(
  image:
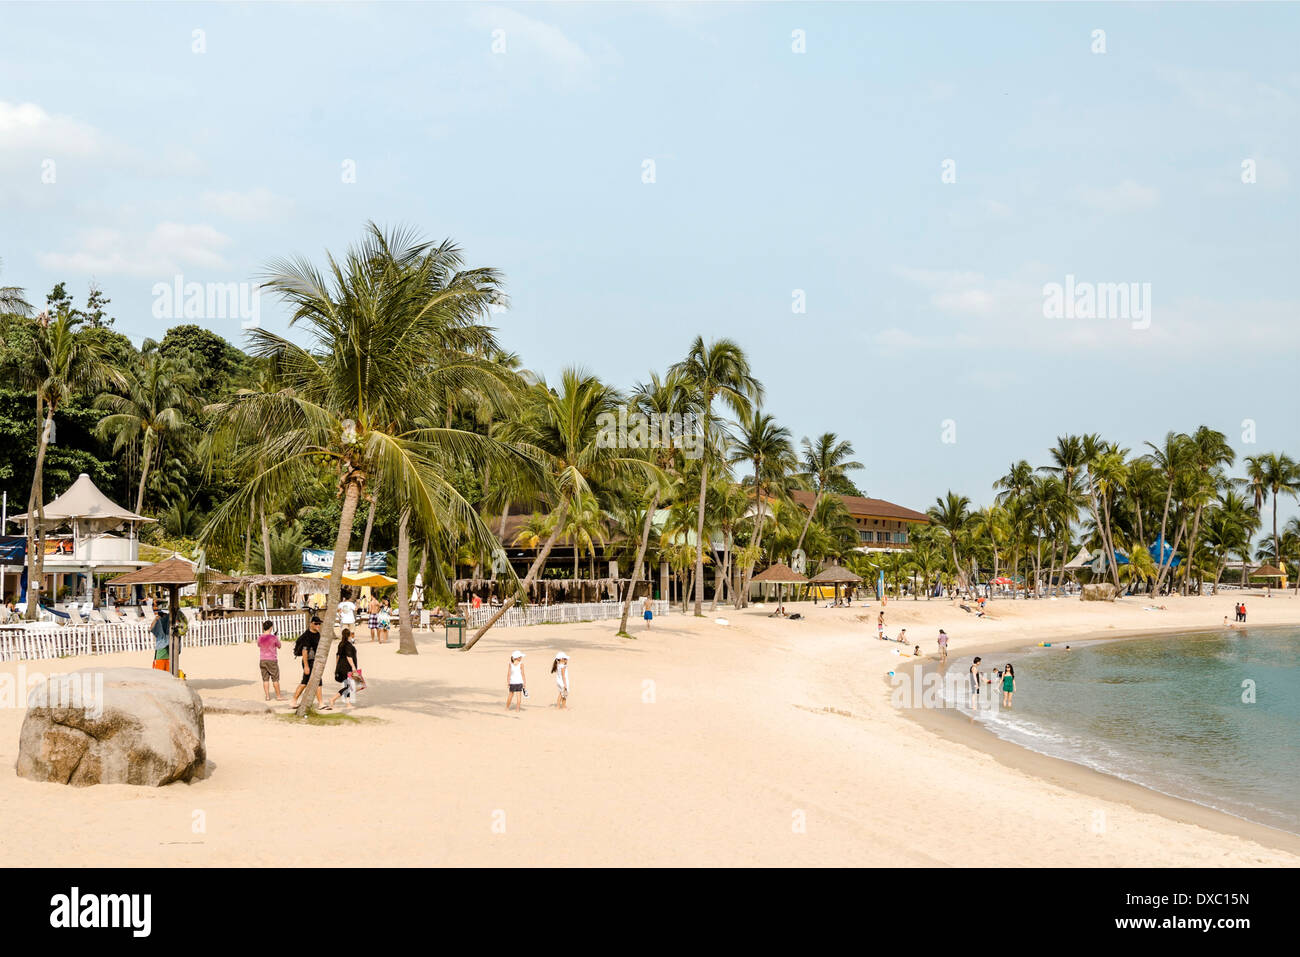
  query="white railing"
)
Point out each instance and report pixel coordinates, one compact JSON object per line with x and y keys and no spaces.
{"x":26,"y":642}
{"x":550,"y":614}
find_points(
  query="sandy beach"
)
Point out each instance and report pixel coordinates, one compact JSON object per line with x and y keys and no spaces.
{"x":759,"y":742}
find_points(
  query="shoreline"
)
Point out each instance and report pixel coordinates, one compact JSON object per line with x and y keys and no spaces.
{"x":954,"y":726}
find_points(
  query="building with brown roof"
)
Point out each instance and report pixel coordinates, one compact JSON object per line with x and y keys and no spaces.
{"x":882,"y":526}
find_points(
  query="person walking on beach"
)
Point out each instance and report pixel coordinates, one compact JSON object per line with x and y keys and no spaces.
{"x":304,"y":649}
{"x":1008,"y":685}
{"x":385,"y":620}
{"x":975,"y":683}
{"x":345,"y":666}
{"x":372,"y":617}
{"x":1243,"y":612}
{"x":560,"y":668}
{"x":516,"y":682}
{"x":647,"y":611}
{"x":880,"y":624}
{"x":943,"y":646}
{"x":347,"y":613}
{"x":268,"y":655}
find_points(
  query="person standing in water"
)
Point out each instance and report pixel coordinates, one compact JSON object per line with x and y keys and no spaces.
{"x":515,"y":680}
{"x":975,"y":682}
{"x":1008,"y":685}
{"x":560,"y":668}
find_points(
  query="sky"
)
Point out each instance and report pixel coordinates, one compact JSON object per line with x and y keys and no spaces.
{"x":873,"y":199}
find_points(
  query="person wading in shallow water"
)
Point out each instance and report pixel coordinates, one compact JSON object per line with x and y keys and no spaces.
{"x":975,"y":682}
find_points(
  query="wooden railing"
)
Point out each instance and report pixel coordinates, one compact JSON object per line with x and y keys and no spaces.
{"x":26,"y":642}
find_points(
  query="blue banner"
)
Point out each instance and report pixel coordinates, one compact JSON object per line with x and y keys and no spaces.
{"x":13,"y":550}
{"x":322,"y":560}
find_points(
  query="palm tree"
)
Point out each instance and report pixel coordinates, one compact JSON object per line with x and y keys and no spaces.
{"x":12,"y":300}
{"x":154,"y":403}
{"x":717,"y":370}
{"x":565,"y":432}
{"x":769,"y":450}
{"x":64,"y":362}
{"x":666,"y":399}
{"x":826,"y":468}
{"x":1171,"y":460}
{"x":339,"y":405}
{"x":1208,"y":452}
{"x":1271,"y":474}
{"x":951,"y":514}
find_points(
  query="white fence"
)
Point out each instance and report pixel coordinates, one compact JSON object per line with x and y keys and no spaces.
{"x":548,"y":614}
{"x":19,"y":642}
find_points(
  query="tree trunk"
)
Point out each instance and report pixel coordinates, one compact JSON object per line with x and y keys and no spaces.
{"x":370,"y":523}
{"x":266,"y":540}
{"x":817,"y":500}
{"x":636,"y":566}
{"x":405,"y":627}
{"x":145,"y":456}
{"x":35,"y":519}
{"x":538,"y":563}
{"x":742,"y":594}
{"x":699,"y":542}
{"x":351,"y":495}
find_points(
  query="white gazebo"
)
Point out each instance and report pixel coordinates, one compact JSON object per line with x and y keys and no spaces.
{"x":92,"y":549}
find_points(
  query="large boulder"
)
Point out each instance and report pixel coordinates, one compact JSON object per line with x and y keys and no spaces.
{"x":113,"y":726}
{"x":1104,"y":591}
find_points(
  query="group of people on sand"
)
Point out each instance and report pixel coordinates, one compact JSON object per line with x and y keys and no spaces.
{"x":346,"y":670}
{"x":1239,"y":612}
{"x":517,"y":680}
{"x":378,"y":617}
{"x":1006,"y":680}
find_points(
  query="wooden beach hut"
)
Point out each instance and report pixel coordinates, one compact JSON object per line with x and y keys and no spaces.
{"x":173,"y":574}
{"x":835,"y":575}
{"x":779,"y":575}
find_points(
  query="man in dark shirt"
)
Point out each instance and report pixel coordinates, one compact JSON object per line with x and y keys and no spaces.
{"x":304,"y":650}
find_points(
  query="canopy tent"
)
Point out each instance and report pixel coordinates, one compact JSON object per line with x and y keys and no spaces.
{"x":835,"y":575}
{"x":174,"y":573}
{"x":83,"y":503}
{"x":780,"y":575}
{"x":1081,"y":560}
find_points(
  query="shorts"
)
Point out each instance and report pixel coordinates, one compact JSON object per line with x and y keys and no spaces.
{"x":374,"y":622}
{"x":648,"y":615}
{"x":306,"y":676}
{"x":516,"y":688}
{"x":270,"y":670}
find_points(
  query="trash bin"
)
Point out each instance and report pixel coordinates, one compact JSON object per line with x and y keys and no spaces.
{"x":455,"y":632}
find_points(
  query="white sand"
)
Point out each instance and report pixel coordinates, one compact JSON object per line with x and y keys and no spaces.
{"x":694,"y":744}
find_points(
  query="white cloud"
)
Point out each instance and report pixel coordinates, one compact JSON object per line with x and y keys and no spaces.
{"x":167,"y":249}
{"x":26,"y":128}
{"x":1127,"y":197}
{"x":566,"y":59}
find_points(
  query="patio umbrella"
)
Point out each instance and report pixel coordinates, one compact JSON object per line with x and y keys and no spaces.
{"x":174,"y":573}
{"x":835,"y":575}
{"x":780,"y":575}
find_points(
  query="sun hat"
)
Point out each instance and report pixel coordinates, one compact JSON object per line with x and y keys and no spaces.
{"x":516,"y":654}
{"x":560,"y":654}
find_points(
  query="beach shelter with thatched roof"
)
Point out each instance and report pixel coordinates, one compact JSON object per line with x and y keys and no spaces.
{"x":1268,"y":571}
{"x":173,"y":574}
{"x":780,"y":575}
{"x":835,"y":575}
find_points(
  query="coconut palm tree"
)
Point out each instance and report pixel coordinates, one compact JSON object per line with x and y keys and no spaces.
{"x":12,"y":299}
{"x":825,"y":468}
{"x":951,"y":513}
{"x":391,"y":302}
{"x":155,"y":402}
{"x":65,"y":361}
{"x":660,"y":400}
{"x":1171,"y":458}
{"x":718,"y":370}
{"x":566,"y":432}
{"x":1271,"y":475}
{"x":1208,"y":453}
{"x":768,"y":449}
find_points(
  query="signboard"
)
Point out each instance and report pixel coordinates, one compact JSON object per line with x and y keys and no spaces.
{"x":322,"y":560}
{"x":13,"y":550}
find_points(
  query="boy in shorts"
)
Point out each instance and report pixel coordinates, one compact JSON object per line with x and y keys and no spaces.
{"x":268,"y":644}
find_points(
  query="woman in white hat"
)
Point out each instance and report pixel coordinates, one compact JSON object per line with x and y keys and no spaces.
{"x":560,"y":668}
{"x":515,"y":680}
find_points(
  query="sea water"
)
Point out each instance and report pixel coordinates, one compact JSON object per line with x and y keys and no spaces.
{"x":1213,"y":717}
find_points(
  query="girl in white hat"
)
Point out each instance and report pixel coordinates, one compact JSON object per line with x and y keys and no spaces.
{"x":560,"y":668}
{"x":515,"y":680}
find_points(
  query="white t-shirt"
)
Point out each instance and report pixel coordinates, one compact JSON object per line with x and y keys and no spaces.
{"x":347,"y":613}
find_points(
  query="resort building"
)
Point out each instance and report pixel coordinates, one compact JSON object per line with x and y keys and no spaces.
{"x":882,"y":526}
{"x":81,"y":547}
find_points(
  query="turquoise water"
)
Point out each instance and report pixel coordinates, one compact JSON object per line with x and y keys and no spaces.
{"x":1168,"y":712}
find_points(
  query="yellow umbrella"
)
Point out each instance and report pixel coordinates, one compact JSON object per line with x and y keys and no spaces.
{"x":373,"y":579}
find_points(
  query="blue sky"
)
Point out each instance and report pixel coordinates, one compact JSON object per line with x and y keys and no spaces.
{"x":775,"y":171}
